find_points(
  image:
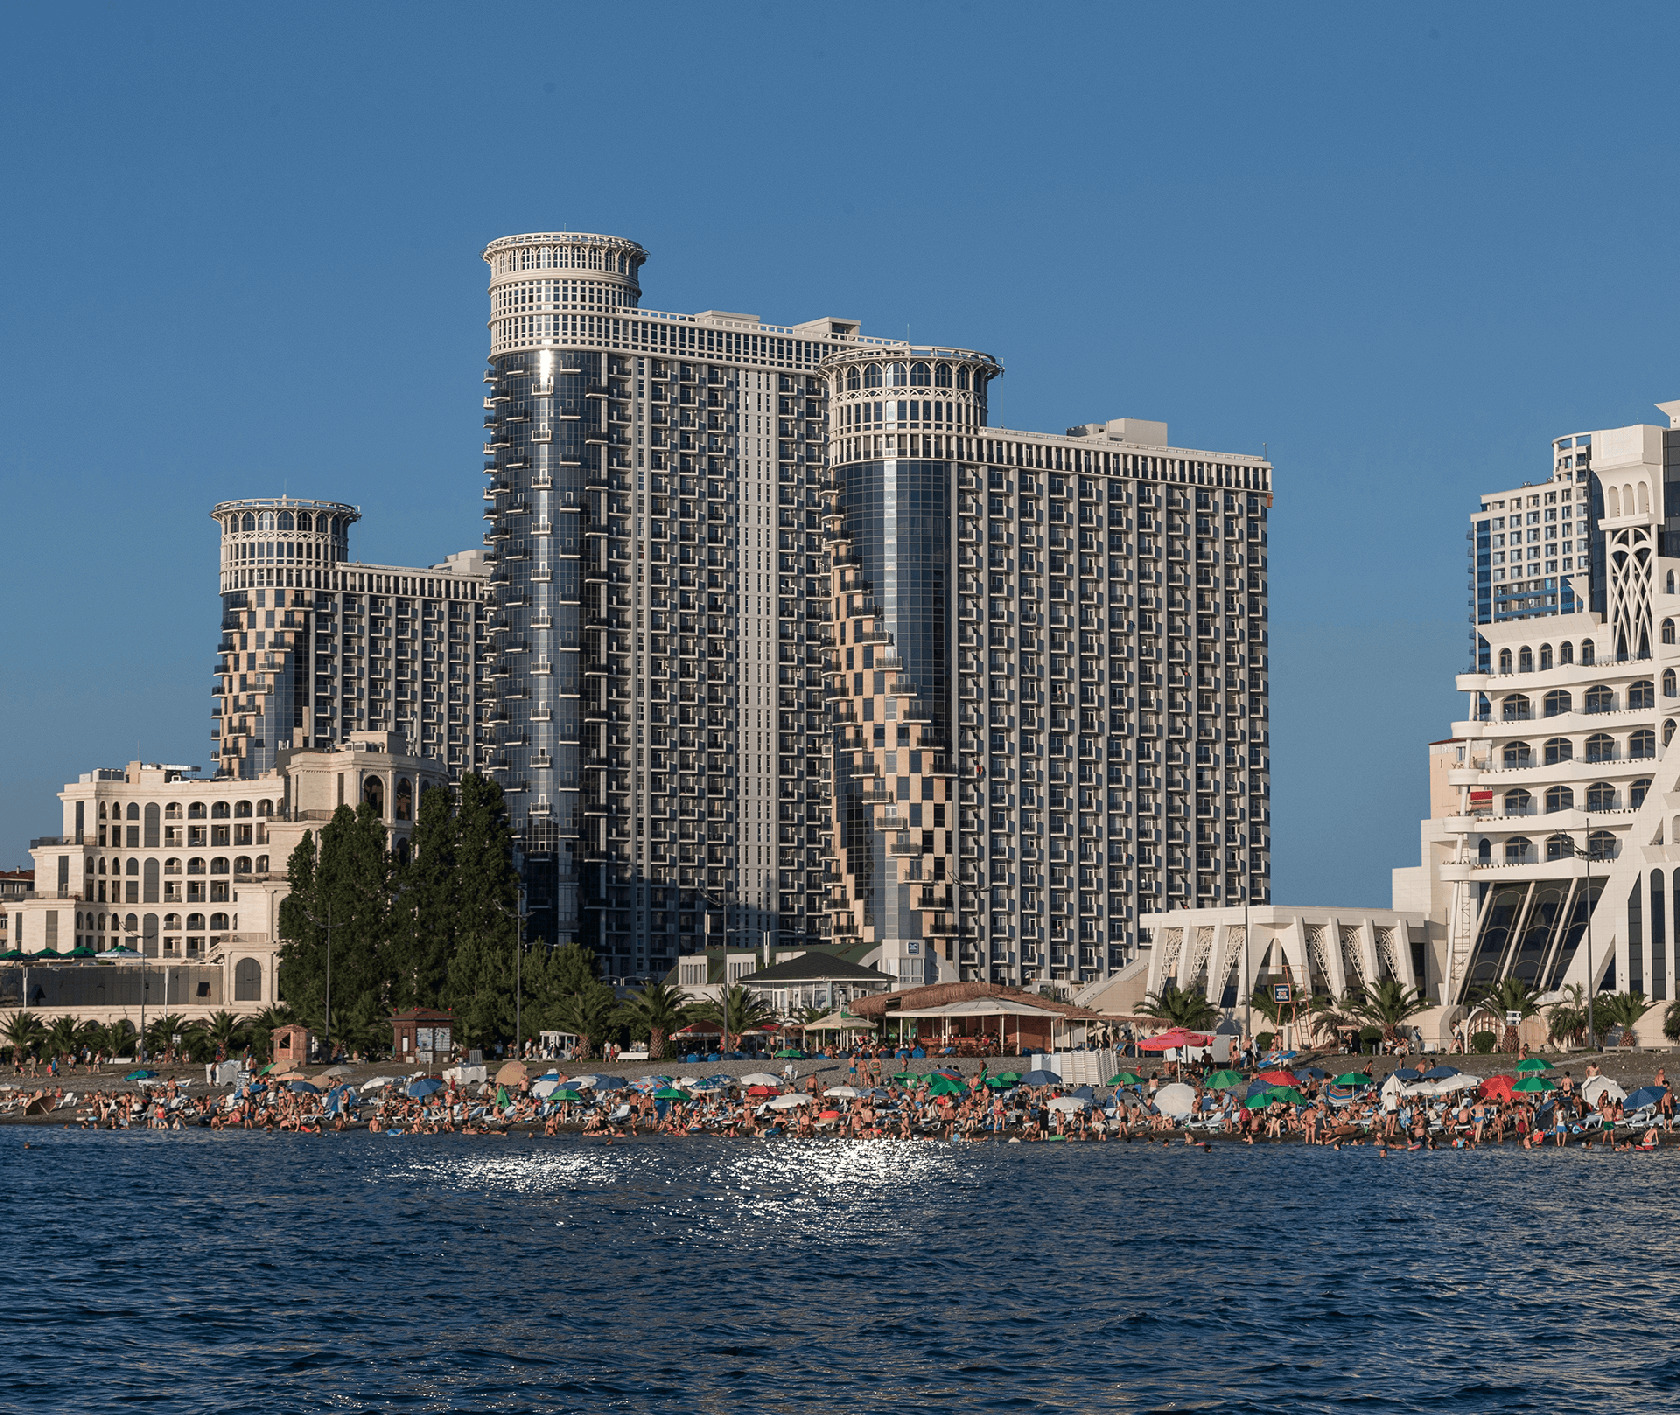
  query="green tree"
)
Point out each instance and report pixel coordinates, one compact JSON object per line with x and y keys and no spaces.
{"x":221,"y":1031}
{"x":591,"y":1014}
{"x":340,"y":899}
{"x":260,"y":1030}
{"x":485,"y":915}
{"x":120,"y":1038}
{"x":1566,"y":1020}
{"x":1387,"y":1004}
{"x":1511,"y":994}
{"x":1621,"y":1009}
{"x":1181,"y":1007}
{"x":161,"y":1033}
{"x":62,"y":1037}
{"x":424,"y":922}
{"x":24,"y":1034}
{"x":655,"y":1012}
{"x":738,"y":1010}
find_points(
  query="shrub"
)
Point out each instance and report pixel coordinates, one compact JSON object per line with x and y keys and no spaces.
{"x":1483,"y":1042}
{"x":1264,"y":1040}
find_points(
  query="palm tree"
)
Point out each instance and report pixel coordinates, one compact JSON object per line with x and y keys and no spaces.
{"x":1180,"y":1007}
{"x":1512,"y":994}
{"x":160,"y":1036}
{"x":24,"y":1033}
{"x":1387,"y":1004}
{"x":738,"y":1010}
{"x":1326,"y":1014}
{"x":61,"y":1036}
{"x":1671,"y":1022}
{"x":589,"y":1014}
{"x":260,"y":1029}
{"x":1623,"y":1009}
{"x":660,"y":1008}
{"x":119,"y":1037}
{"x":1566,"y":1021}
{"x":221,"y":1031}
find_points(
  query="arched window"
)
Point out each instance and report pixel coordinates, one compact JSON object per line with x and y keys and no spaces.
{"x":305,"y":522}
{"x":1641,"y":695}
{"x":1557,"y":702}
{"x":134,"y":867}
{"x":133,"y":811}
{"x":405,"y":799}
{"x":218,"y":922}
{"x":1484,"y":852}
{"x":1599,"y":698}
{"x":894,"y":375}
{"x":1559,"y":798}
{"x":242,"y":865}
{"x":249,"y":523}
{"x":1644,"y":498}
{"x":1517,"y":849}
{"x":196,"y":811}
{"x":1517,"y":755}
{"x":1668,"y":731}
{"x":265,"y":808}
{"x":1515,"y":708}
{"x":172,"y":923}
{"x":1566,"y":653}
{"x":962,"y":378}
{"x":1484,"y":708}
{"x":872,"y":376}
{"x":154,"y":815}
{"x":219,"y":865}
{"x":220,"y":811}
{"x":1668,"y":682}
{"x":373,"y":794}
{"x":1601,"y":845}
{"x":1668,"y":624}
{"x":1637,"y":791}
{"x":1559,"y":847}
{"x":1642,"y":746}
{"x":1545,"y":657}
{"x":1601,"y":796}
{"x":149,"y":884}
{"x":1559,"y":749}
{"x":1518,"y":803}
{"x":172,"y":867}
{"x":242,"y":809}
{"x":1601,"y":747}
{"x":1504,"y":660}
{"x":854,"y":379}
{"x":921,"y":376}
{"x":285,"y":521}
{"x":262,"y":864}
{"x":1525,"y":659}
{"x":195,"y":923}
{"x":172,"y":812}
{"x":247,"y":980}
{"x":942,"y":376}
{"x":1588,"y":657}
{"x":195,"y":866}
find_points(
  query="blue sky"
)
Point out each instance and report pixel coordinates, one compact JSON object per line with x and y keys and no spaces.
{"x":1399,"y":247}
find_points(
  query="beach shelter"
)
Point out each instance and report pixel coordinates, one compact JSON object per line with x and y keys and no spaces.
{"x":423,"y":1086}
{"x":789,"y":1054}
{"x":1039,"y":1077}
{"x":1644,"y":1096}
{"x":670,"y":1093}
{"x":1537,"y":1083}
{"x":945,"y":1086}
{"x":1532,"y":1066}
{"x":1175,"y":1099}
{"x":512,"y":1073}
{"x":1175,"y":1040}
{"x":1219,"y":1081}
{"x":1131,"y":1078}
{"x":788,"y":1102}
{"x":760,"y":1078}
{"x":1595,"y":1087}
{"x":1277,"y":1077}
{"x":1408,"y":1073}
{"x":1496,"y":1088}
{"x":1440,"y":1073}
{"x":844,"y":1092}
{"x":305,"y":1088}
{"x":1353,"y":1078}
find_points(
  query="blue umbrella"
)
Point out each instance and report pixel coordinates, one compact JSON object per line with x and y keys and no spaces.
{"x":1407,"y":1073}
{"x":1313,"y":1072}
{"x":1257,"y":1088}
{"x":303,"y":1088}
{"x":1084,"y":1093}
{"x":425,"y":1086}
{"x":1644,"y":1096}
{"x":1440,"y":1073}
{"x":610,"y":1083}
{"x":1041,"y":1078}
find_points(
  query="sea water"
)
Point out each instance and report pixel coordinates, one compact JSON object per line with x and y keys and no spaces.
{"x":238,"y":1271}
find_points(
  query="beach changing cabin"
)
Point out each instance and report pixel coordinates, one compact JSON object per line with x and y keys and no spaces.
{"x":422,"y":1036}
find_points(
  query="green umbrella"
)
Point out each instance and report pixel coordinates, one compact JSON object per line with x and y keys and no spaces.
{"x":1532,"y":1066}
{"x":905,"y":1078}
{"x":670,"y":1093}
{"x":1261,"y":1099}
{"x":1011,"y":1076}
{"x":12,"y":953}
{"x":1353,"y":1078}
{"x":570,"y":1095}
{"x":1219,"y":1081}
{"x":1534,"y":1083}
{"x":790,"y":1055}
{"x":997,"y":1083}
{"x":501,"y":1097}
{"x":1286,"y":1093}
{"x":945,"y":1086}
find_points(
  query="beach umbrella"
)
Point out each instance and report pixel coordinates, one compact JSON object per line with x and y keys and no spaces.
{"x":1289,"y":1094}
{"x":1174,"y":1039}
{"x":544,"y":1088}
{"x":305,"y":1088}
{"x":1131,"y":1078}
{"x":565,"y":1093}
{"x":423,"y":1087}
{"x":945,"y":1086}
{"x":790,"y":1054}
{"x":1532,"y":1084}
{"x":1177,"y":1099}
{"x":1012,"y":1076}
{"x":788,"y":1102}
{"x":141,"y":1076}
{"x":1219,"y":1081}
{"x":1533,"y":1065}
{"x":844,"y":1092}
{"x":1644,"y":1096}
{"x":1259,"y":1100}
{"x":1496,"y":1088}
{"x":585,"y":1083}
{"x":611,"y":1083}
{"x":997,"y":1083}
{"x":760,"y":1078}
{"x":762,"y":1091}
{"x":949,"y":1075}
{"x":670,"y":1093}
{"x":1040,"y":1077}
{"x":1408,"y":1073}
{"x":829,"y":1115}
{"x":1312,"y":1073}
{"x":1070,"y":1103}
{"x":1440,"y":1073}
{"x":1596,"y":1086}
{"x":512,"y":1073}
{"x":1277,"y":1077}
{"x":1353,"y":1078}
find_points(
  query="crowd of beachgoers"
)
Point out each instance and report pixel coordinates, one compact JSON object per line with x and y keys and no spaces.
{"x":1531,"y":1105}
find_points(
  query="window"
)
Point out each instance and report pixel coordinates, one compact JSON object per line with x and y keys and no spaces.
{"x":1517,"y":849}
{"x":1504,"y":660}
{"x":1559,"y":749}
{"x":218,"y":921}
{"x":1515,"y":708}
{"x":242,"y":810}
{"x":219,"y":865}
{"x":1668,"y":731}
{"x":854,"y":377}
{"x":242,"y":865}
{"x":1601,"y":845}
{"x":1545,"y":657}
{"x":1668,"y":682}
{"x":1668,"y":627}
{"x":1642,"y":746}
{"x":1559,"y":847}
{"x":1599,"y":699}
{"x":1641,"y":696}
{"x":1518,"y":803}
{"x":1637,"y":790}
{"x":1601,"y":748}
{"x":1587,"y":658}
{"x":1517,"y":755}
{"x":942,"y":376}
{"x":872,"y":376}
{"x":1525,"y":660}
{"x":1559,"y":798}
{"x":247,"y":980}
{"x":220,"y":811}
{"x":1566,"y":653}
{"x":1557,"y":702}
{"x":1601,"y":796}
{"x":196,"y":811}
{"x":921,"y":376}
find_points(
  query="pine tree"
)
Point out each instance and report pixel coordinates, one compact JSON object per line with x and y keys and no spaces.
{"x":424,"y":926}
{"x":485,"y":901}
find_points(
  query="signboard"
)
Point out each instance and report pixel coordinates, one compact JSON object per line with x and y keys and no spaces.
{"x":1280,"y":992}
{"x":1512,"y":1018}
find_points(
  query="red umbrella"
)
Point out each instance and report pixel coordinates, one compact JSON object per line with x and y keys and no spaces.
{"x":762,"y":1091}
{"x":1277,"y":1078}
{"x":1496,"y":1088}
{"x":1178,"y":1037}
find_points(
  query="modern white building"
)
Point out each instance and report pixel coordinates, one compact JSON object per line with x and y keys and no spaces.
{"x":189,"y":871}
{"x":316,"y":647}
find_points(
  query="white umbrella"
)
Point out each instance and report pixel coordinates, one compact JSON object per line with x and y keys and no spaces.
{"x":544,"y":1089}
{"x":1175,"y":1099}
{"x":1461,"y":1082}
{"x":581,"y":1083}
{"x":760,"y":1078}
{"x":846,"y":1092}
{"x":788,"y":1102}
{"x":1596,"y":1087}
{"x":377,"y":1083}
{"x":1080,"y":1103}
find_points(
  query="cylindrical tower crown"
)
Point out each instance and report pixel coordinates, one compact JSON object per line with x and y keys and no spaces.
{"x":875,"y":394}
{"x":540,"y":281}
{"x":269,"y":531}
